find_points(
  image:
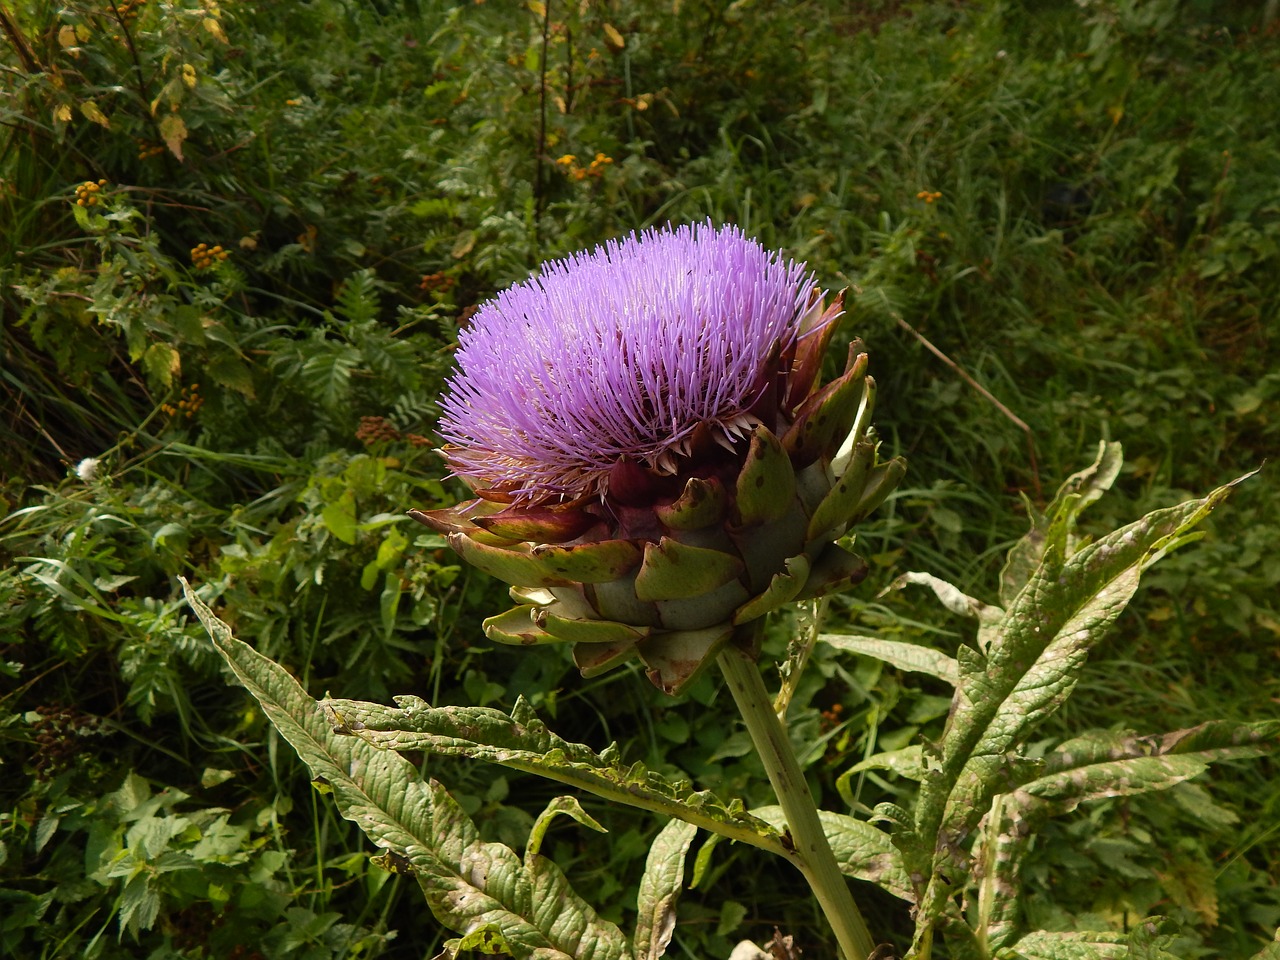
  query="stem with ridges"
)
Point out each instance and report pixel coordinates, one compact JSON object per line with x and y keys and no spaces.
{"x":817,"y":862}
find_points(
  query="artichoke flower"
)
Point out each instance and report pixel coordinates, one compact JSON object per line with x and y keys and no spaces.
{"x":654,"y":460}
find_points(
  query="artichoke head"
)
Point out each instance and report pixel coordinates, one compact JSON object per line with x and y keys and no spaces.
{"x":676,"y":555}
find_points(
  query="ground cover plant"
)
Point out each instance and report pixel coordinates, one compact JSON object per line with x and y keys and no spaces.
{"x":225,"y":364}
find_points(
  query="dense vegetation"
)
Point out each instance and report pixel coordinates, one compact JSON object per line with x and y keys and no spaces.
{"x":239,"y":239}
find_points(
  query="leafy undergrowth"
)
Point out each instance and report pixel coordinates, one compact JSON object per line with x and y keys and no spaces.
{"x":239,"y":241}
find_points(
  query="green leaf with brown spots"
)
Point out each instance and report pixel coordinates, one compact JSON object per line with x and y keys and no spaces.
{"x":469,"y":884}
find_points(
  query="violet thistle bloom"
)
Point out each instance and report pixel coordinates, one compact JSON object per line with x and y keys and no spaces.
{"x":654,"y":462}
{"x":619,"y":353}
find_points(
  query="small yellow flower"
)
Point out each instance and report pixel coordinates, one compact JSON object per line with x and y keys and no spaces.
{"x":567,"y":160}
{"x":204,"y":256}
{"x":87,"y":193}
{"x":929,"y":196}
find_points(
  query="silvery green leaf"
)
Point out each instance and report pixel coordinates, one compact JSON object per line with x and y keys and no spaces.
{"x":1077,"y":492}
{"x":949,"y":595}
{"x":1034,"y":658}
{"x":1146,"y":942}
{"x":862,"y":850}
{"x":1044,"y":945}
{"x":1045,"y":637}
{"x":907,"y":762}
{"x":522,"y":742}
{"x":911,"y":657}
{"x":560,"y":806}
{"x":1270,"y":952}
{"x":1115,"y":764}
{"x":1092,"y":767}
{"x":468,"y":883}
{"x":660,"y":889}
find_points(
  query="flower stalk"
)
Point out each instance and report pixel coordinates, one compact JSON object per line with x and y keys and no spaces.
{"x":817,"y":862}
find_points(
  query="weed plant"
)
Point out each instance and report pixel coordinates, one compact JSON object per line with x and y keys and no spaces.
{"x":1075,"y":203}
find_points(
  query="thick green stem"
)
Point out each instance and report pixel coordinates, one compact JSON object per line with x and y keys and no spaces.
{"x":817,"y":862}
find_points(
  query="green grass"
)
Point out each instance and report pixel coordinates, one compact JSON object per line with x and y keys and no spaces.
{"x":1102,"y":258}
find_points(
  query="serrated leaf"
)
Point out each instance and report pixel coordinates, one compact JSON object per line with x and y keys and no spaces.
{"x":1036,"y":654}
{"x":522,"y":742}
{"x":138,"y":905}
{"x":1045,"y":637}
{"x":468,"y":883}
{"x":1077,"y":492}
{"x":1115,"y":765}
{"x":228,"y":370}
{"x":660,"y":889}
{"x":910,"y":657}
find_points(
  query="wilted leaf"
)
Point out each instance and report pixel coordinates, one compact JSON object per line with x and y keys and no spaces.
{"x":911,"y":657}
{"x":215,"y":28}
{"x":560,"y":806}
{"x":660,"y":889}
{"x":162,"y":362}
{"x":93,"y":112}
{"x":907,"y":762}
{"x":1093,"y":767}
{"x":464,"y":244}
{"x":174,"y":131}
{"x":488,"y":940}
{"x":613,"y":39}
{"x":949,"y":595}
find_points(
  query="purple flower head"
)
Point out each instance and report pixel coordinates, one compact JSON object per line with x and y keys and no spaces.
{"x":620,"y":353}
